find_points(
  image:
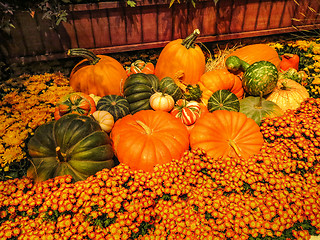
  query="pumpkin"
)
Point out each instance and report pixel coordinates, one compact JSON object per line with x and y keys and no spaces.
{"x":105,"y":120}
{"x":78,"y":102}
{"x":161,"y":101}
{"x":219,"y":79}
{"x":96,"y":74}
{"x":187,"y":111}
{"x":257,"y":52}
{"x":182,"y":60}
{"x":73,"y":145}
{"x":225,"y":133}
{"x":138,"y":89}
{"x":288,"y":61}
{"x":223,"y":100}
{"x":116,"y":105}
{"x":259,"y":78}
{"x":288,"y":94}
{"x":148,"y":138}
{"x":140,"y":66}
{"x":168,"y":86}
{"x":258,"y":108}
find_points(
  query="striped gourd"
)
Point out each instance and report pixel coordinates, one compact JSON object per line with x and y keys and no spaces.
{"x":116,"y":105}
{"x":168,"y":86}
{"x":223,"y":100}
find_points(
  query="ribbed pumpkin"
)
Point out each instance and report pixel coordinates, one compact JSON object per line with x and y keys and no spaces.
{"x":73,"y":145}
{"x":138,"y":89}
{"x":105,"y":120}
{"x":148,"y":138}
{"x":288,"y":94}
{"x":96,"y":74}
{"x":182,"y":60}
{"x":223,"y":100}
{"x":116,"y":105}
{"x":258,"y":108}
{"x":219,"y":79}
{"x":161,"y":101}
{"x":257,"y":52}
{"x":168,"y":86}
{"x":225,"y":133}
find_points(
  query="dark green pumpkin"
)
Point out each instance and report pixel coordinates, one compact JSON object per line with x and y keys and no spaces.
{"x":116,"y":105}
{"x":73,"y":145}
{"x":223,"y":100}
{"x":258,"y":108}
{"x":168,"y":86}
{"x":138,"y":89}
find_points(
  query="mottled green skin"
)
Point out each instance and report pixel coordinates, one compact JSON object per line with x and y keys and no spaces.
{"x":262,"y":77}
{"x":223,"y":100}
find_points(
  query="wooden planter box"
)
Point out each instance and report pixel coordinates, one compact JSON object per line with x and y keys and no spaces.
{"x":109,"y":27}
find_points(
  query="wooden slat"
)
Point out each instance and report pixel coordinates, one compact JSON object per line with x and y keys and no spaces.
{"x":133,"y":26}
{"x":149,"y":24}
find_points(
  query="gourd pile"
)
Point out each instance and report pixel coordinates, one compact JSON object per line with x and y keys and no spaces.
{"x":176,"y":150}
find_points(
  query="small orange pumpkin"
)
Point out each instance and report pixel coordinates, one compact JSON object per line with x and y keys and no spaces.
{"x":182,"y":60}
{"x":219,"y":79}
{"x":225,"y":133}
{"x":97,"y":74}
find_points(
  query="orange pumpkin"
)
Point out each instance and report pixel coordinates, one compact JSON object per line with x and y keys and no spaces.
{"x":219,"y":79}
{"x":148,"y":138}
{"x":225,"y":133}
{"x":257,"y":52}
{"x":182,"y":60}
{"x":97,"y":74}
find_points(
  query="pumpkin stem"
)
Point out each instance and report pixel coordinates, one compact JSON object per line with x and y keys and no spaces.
{"x":85,"y":53}
{"x":235,"y":147}
{"x":61,"y":158}
{"x":144,"y":126}
{"x":189,"y":42}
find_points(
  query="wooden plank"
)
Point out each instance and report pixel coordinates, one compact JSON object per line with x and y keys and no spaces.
{"x":133,"y":25}
{"x":180,"y":21}
{"x":149,"y":24}
{"x":251,"y":15}
{"x":224,"y":16}
{"x":117,"y":25}
{"x":238,"y":16}
{"x":264,"y":15}
{"x":165,"y":23}
{"x":276,"y":15}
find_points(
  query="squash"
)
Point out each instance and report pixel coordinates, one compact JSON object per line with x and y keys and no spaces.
{"x":168,"y":86}
{"x":223,"y":100}
{"x":258,"y":108}
{"x":225,"y":133}
{"x":105,"y":120}
{"x":73,"y":145}
{"x":161,"y":101}
{"x":78,"y":102}
{"x":140,"y":66}
{"x":219,"y":79}
{"x":116,"y":105}
{"x":257,"y":52}
{"x":96,"y":74}
{"x":138,"y":89}
{"x":187,"y":111}
{"x":182,"y":60}
{"x":288,"y":94}
{"x":148,"y":138}
{"x":259,"y":78}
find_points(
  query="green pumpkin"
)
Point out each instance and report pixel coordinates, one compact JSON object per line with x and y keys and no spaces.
{"x":138,"y":89}
{"x":116,"y":105}
{"x":259,"y":78}
{"x":223,"y":100}
{"x":73,"y":145}
{"x":258,"y":108}
{"x":168,"y":86}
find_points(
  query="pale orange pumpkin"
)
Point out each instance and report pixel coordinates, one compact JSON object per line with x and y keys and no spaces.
{"x":219,"y":79}
{"x":105,"y":120}
{"x":225,"y":133}
{"x":182,"y":60}
{"x":161,"y":101}
{"x":288,"y":94}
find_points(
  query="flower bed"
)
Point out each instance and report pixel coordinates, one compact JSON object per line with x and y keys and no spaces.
{"x":272,"y":195}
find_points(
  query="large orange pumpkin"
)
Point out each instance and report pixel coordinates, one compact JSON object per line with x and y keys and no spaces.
{"x":182,"y":60}
{"x":225,"y":133}
{"x":257,"y":52}
{"x":148,"y":138}
{"x":97,"y":74}
{"x":219,"y":79}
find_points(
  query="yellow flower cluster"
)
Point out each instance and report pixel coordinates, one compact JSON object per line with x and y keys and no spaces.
{"x":25,"y":108}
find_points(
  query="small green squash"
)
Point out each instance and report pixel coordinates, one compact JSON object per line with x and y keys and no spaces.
{"x":168,"y":86}
{"x":223,"y":100}
{"x":259,"y":77}
{"x":116,"y":105}
{"x":258,"y":108}
{"x":73,"y":145}
{"x":138,"y":89}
